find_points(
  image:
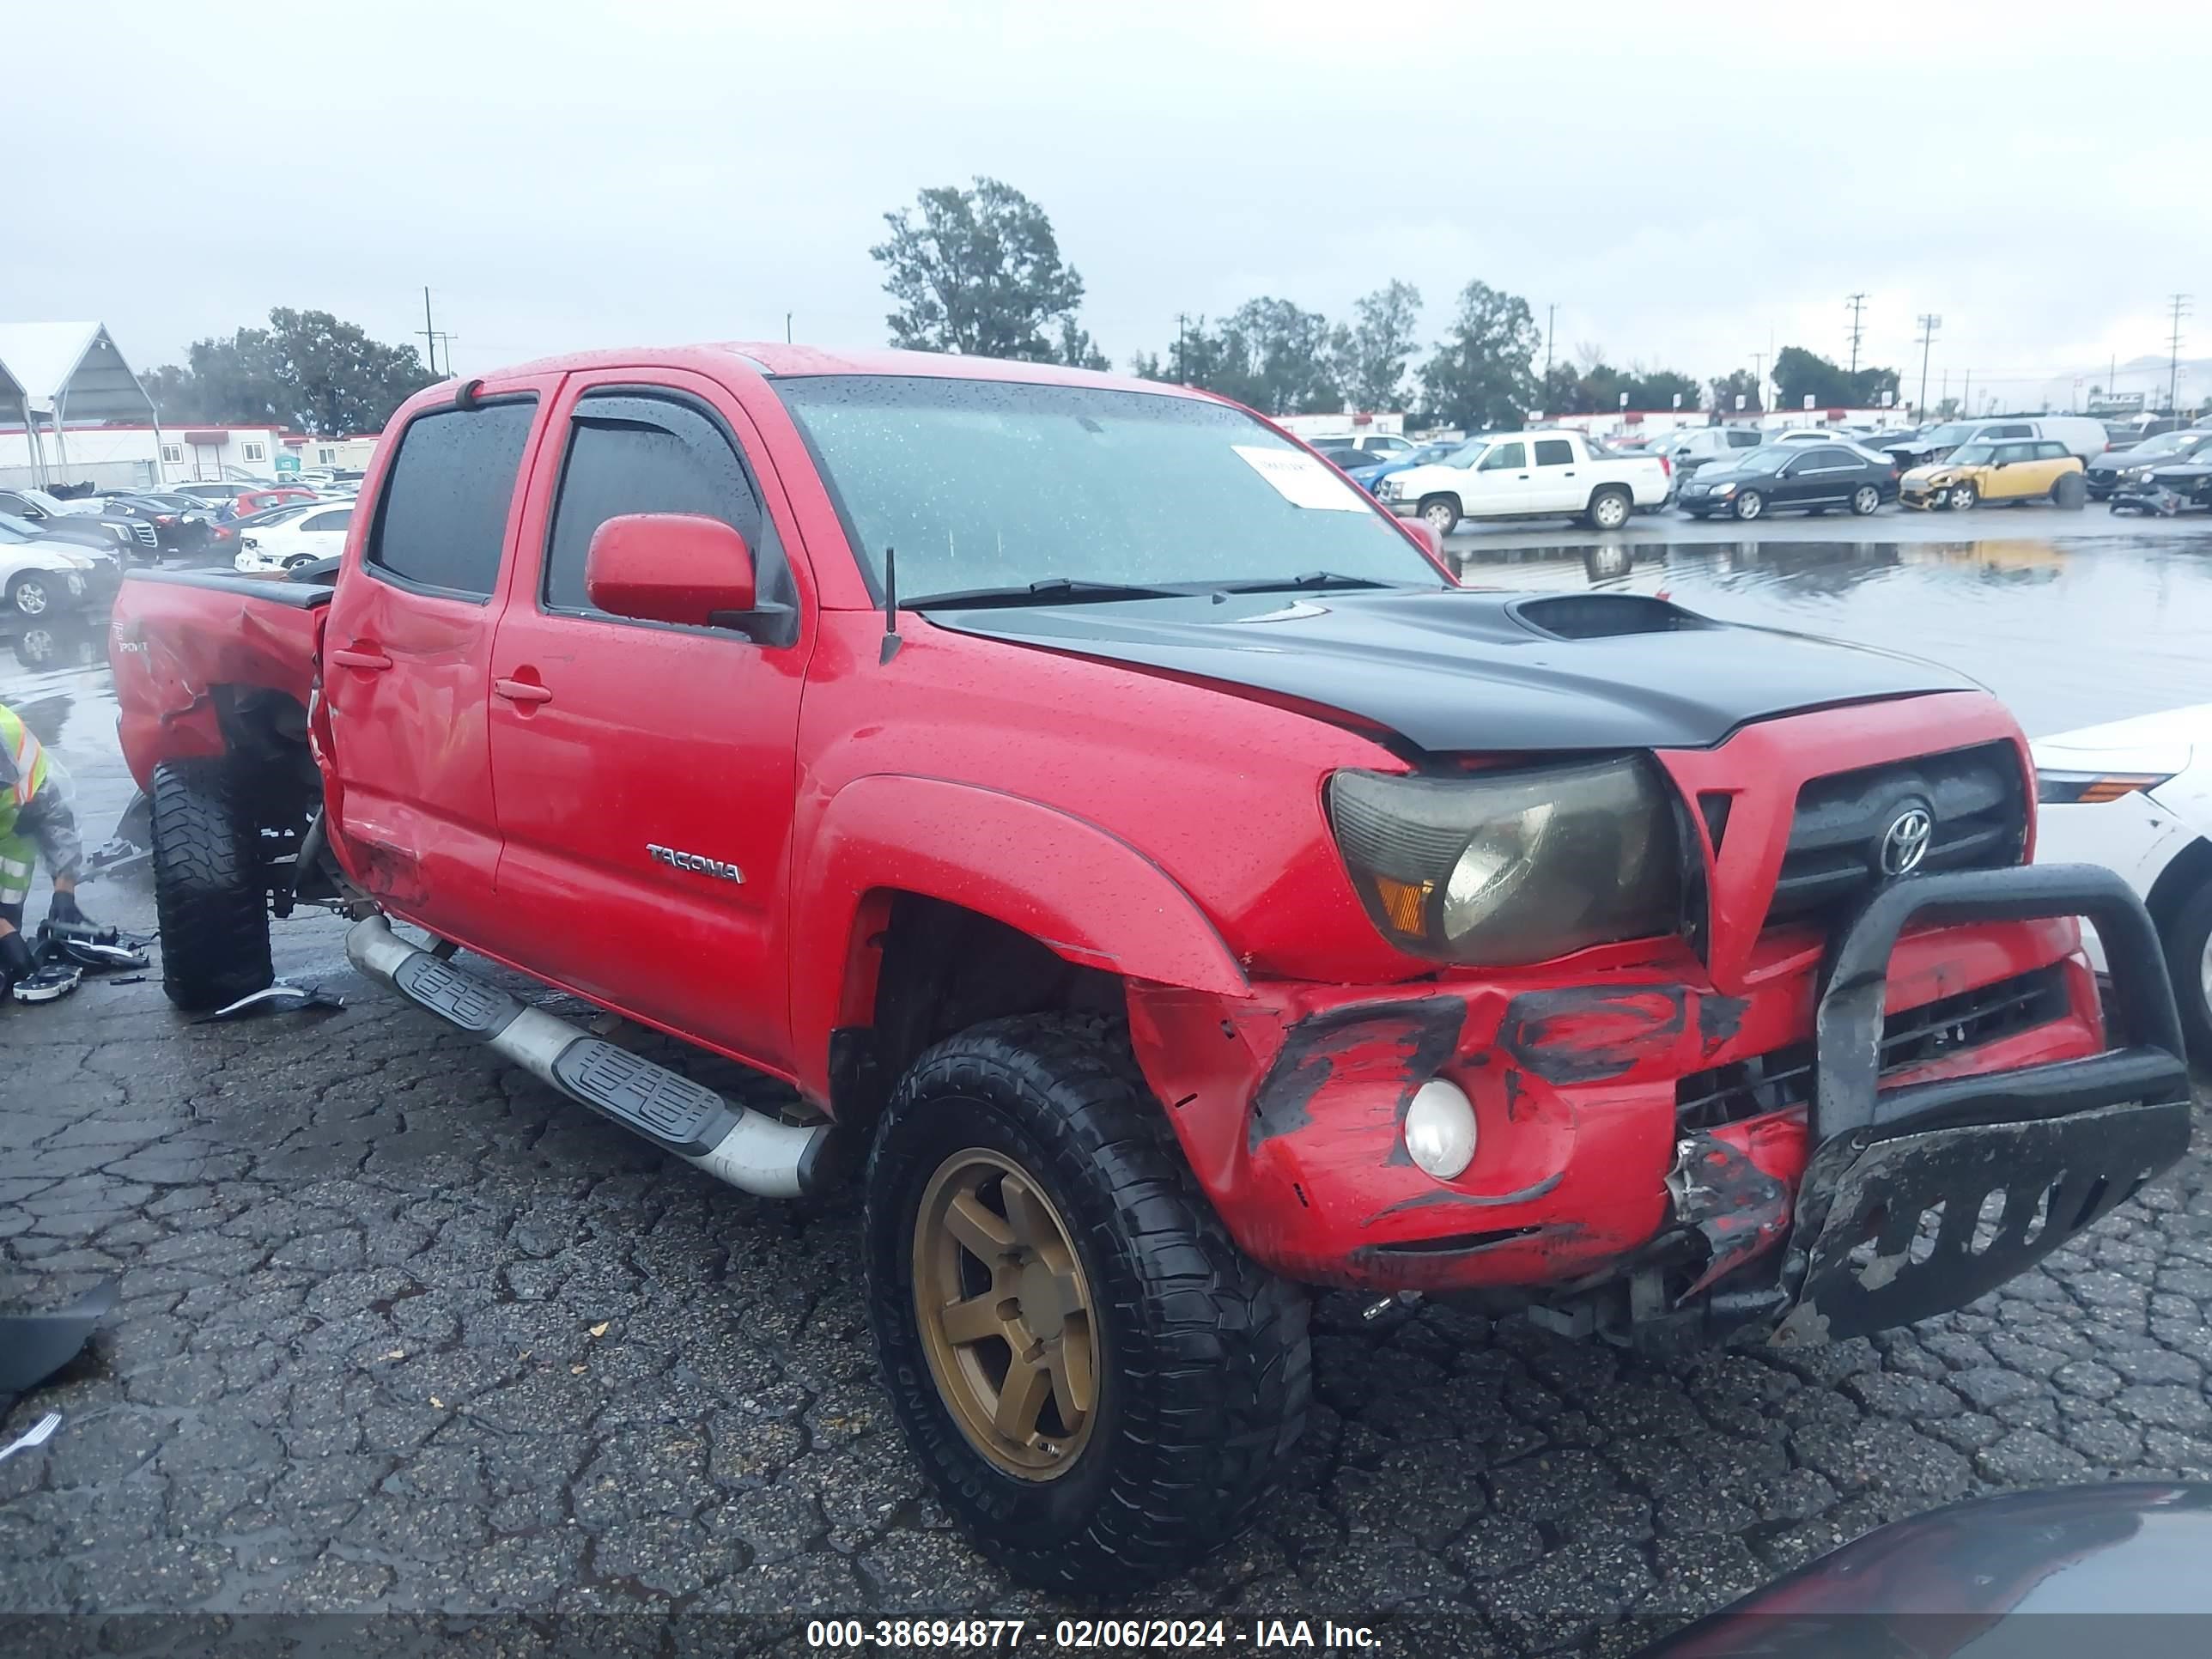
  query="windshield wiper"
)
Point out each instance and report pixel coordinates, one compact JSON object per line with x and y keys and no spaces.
{"x":1049,"y":590}
{"x":1311,"y":579}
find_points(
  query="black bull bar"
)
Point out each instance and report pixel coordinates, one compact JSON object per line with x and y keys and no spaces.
{"x":1893,"y":1221}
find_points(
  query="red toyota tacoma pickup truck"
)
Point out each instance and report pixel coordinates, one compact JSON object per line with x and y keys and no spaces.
{"x":1164,"y":885}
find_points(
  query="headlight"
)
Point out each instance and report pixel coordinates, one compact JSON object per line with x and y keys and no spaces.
{"x":1724,"y":490}
{"x":2091,"y":788}
{"x":2141,"y":475}
{"x":1513,"y":867}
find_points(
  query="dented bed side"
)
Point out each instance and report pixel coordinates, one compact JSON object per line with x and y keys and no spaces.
{"x":182,"y":643}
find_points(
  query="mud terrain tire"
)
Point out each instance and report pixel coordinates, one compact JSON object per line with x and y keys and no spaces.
{"x":1203,"y":1371}
{"x":208,"y":892}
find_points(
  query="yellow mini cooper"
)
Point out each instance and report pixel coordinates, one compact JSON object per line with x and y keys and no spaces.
{"x":2021,"y":469}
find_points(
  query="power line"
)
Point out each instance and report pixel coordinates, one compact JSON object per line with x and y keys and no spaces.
{"x":2180,"y":302}
{"x":1929,"y":323}
{"x":1857,"y":303}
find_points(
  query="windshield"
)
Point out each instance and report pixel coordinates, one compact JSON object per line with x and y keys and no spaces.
{"x":13,"y":529}
{"x":991,"y":483}
{"x":1951,"y":432}
{"x":2168,"y":443}
{"x":1771,"y":459}
{"x":1973,"y":455}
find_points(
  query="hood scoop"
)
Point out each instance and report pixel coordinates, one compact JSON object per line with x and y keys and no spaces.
{"x":1603,"y":616}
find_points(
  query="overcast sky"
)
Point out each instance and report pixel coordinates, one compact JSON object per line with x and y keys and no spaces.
{"x":1685,"y":182}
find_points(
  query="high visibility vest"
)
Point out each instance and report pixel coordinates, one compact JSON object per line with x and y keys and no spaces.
{"x":28,"y":760}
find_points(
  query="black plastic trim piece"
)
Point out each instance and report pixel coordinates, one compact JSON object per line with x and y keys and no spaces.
{"x":688,"y":1118}
{"x":455,"y":995}
{"x":297,"y":595}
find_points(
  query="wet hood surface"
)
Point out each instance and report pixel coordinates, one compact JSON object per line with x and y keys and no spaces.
{"x":1465,"y":671}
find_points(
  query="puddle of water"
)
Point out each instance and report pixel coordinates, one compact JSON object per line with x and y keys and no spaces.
{"x":2069,"y":634}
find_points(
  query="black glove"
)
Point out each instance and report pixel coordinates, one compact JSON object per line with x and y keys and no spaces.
{"x":64,"y":916}
{"x":17,"y":962}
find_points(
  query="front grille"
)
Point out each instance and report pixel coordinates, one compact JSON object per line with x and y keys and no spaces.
{"x":144,"y":532}
{"x":1977,"y":799}
{"x":1911,"y":1037}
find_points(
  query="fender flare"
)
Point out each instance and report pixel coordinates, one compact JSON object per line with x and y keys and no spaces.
{"x":1077,"y":889}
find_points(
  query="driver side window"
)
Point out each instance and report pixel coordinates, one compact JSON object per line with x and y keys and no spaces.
{"x":1499,"y":457}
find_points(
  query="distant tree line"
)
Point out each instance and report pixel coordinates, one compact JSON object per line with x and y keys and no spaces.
{"x":980,"y":270}
{"x":306,"y":370}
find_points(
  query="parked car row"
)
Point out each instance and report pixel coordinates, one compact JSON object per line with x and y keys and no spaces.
{"x":1746,"y":472}
{"x":188,"y":519}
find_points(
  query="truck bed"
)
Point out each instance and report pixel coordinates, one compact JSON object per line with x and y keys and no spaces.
{"x":184,"y":644}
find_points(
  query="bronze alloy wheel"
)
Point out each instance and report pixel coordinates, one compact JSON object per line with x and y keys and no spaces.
{"x":1005,"y":1314}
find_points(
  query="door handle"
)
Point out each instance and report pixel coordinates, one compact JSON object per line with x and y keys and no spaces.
{"x":351,"y":657}
{"x":522,"y":691}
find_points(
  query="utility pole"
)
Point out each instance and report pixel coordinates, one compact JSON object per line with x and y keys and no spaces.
{"x":1182,"y":373}
{"x":1857,"y":303}
{"x":787,"y":328}
{"x":2180,"y":303}
{"x":430,"y":333}
{"x":1759,"y":379}
{"x":1550,"y":317}
{"x":1967,"y":398}
{"x":1929,"y":323}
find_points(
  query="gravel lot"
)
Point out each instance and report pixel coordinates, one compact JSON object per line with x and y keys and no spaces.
{"x":401,"y":1330}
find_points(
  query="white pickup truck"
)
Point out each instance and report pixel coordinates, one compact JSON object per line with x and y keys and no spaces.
{"x":1545,"y":474}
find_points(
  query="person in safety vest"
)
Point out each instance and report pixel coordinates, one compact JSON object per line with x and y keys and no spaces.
{"x":35,"y":819}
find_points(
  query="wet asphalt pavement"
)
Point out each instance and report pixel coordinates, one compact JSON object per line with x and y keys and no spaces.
{"x":402,"y":1331}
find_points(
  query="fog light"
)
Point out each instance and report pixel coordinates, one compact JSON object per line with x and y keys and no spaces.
{"x":1440,"y":1129}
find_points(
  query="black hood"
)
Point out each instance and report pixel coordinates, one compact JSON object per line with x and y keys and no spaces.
{"x":1466,"y":670}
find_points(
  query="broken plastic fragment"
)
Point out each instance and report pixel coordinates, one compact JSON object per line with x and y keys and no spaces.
{"x":277,"y":998}
{"x":37,"y":1434}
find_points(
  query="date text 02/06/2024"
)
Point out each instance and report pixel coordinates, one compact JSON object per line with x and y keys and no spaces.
{"x":1085,"y":1633}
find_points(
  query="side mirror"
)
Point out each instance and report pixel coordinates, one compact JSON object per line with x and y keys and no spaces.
{"x":669,"y":568}
{"x":1425,"y":533}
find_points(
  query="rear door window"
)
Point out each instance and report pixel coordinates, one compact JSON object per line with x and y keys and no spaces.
{"x":1554,"y":452}
{"x":441,"y":526}
{"x":337,"y":520}
{"x":1743,"y":440}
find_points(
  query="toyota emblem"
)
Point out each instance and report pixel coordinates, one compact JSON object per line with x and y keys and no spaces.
{"x":1904,"y":843}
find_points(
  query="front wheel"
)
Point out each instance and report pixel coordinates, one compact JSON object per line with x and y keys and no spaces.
{"x":1865,"y":499}
{"x":208,"y":892}
{"x":1749,"y":504}
{"x":2189,"y":964}
{"x":1098,"y":1383}
{"x":1964,"y":496}
{"x":2070,"y":494}
{"x":1441,"y":513}
{"x":1609,"y":509}
{"x":29,"y":596}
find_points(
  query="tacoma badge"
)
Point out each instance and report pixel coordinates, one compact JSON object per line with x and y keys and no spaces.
{"x":697,"y":862}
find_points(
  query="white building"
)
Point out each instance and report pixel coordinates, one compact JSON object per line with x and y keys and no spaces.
{"x":141,"y":455}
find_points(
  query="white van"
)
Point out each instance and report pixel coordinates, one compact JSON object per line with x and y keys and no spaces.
{"x":2081,"y":436}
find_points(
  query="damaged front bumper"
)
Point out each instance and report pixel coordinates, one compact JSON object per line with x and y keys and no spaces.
{"x":1603,"y":1181}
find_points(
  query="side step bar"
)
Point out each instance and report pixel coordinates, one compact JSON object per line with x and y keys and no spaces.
{"x":749,"y":1150}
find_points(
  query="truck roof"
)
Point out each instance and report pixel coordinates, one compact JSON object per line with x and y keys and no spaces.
{"x":777,"y":359}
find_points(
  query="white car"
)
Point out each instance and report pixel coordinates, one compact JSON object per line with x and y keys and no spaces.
{"x":315,"y":534}
{"x":1544,"y":474}
{"x":2136,"y":796}
{"x":38,"y":577}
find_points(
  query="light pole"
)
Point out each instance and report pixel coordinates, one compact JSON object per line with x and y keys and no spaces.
{"x":1929,"y":323}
